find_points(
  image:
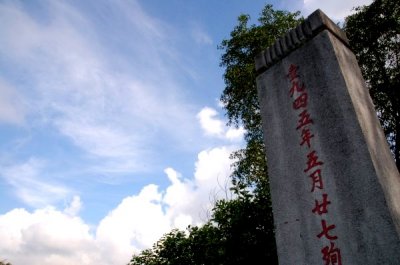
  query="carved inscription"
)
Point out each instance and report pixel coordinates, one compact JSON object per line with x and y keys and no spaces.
{"x":313,"y":169}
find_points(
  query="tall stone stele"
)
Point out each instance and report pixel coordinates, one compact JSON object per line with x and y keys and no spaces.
{"x":334,"y":184}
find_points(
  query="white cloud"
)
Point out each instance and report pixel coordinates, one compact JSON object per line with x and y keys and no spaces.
{"x":213,"y":126}
{"x":110,"y":113}
{"x":180,"y":192}
{"x":235,"y":133}
{"x":49,"y":236}
{"x":46,"y":236}
{"x":142,"y":219}
{"x":104,"y":101}
{"x":137,"y":223}
{"x":196,"y":197}
{"x":213,"y":168}
{"x":182,"y":221}
{"x":74,"y":207}
{"x":336,"y":10}
{"x":12,"y":106}
{"x":97,"y":139}
{"x":30,"y":186}
{"x":209,"y":123}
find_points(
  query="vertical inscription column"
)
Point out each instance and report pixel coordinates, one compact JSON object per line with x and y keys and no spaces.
{"x":333,"y":203}
{"x":314,"y":165}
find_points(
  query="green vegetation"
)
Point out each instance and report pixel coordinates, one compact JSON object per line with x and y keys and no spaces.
{"x":241,"y":230}
{"x":374,"y":34}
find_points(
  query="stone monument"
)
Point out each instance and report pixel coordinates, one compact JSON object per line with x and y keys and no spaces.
{"x":335,"y":187}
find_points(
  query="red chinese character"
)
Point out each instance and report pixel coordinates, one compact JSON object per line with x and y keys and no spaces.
{"x":312,"y":161}
{"x":316,"y":178}
{"x":296,"y":88}
{"x":306,"y":137}
{"x":304,"y":119}
{"x":331,"y":255}
{"x":300,"y":101}
{"x":325,"y":231}
{"x":292,"y":72}
{"x":322,"y":207}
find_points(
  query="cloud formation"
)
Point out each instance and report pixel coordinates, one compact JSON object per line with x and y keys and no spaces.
{"x":48,"y":236}
{"x":89,"y":98}
{"x":30,"y":186}
{"x":84,"y":87}
{"x":213,"y":126}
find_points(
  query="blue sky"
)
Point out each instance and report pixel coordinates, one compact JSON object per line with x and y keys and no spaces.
{"x":112,"y":131}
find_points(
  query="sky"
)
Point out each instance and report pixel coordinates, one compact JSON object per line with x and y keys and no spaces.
{"x":112,"y":132}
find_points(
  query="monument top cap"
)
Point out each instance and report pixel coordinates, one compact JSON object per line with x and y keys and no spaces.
{"x":294,"y":38}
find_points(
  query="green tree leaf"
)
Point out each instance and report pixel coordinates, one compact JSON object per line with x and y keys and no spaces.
{"x":374,"y":35}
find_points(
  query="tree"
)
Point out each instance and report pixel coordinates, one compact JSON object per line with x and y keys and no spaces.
{"x":247,"y":233}
{"x":238,"y":233}
{"x":374,"y":35}
{"x":200,"y":245}
{"x":240,"y":94}
{"x":253,"y":222}
{"x":241,"y":231}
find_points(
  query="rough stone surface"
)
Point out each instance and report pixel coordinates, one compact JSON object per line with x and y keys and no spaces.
{"x":359,"y":175}
{"x":313,"y":25}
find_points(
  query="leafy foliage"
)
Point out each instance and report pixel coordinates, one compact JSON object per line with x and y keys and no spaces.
{"x":240,"y":231}
{"x":197,"y":246}
{"x":374,"y":34}
{"x":247,"y":231}
{"x":240,"y":94}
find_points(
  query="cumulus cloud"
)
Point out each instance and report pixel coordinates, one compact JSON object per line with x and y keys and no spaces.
{"x":49,"y":236}
{"x":139,"y":220}
{"x":46,"y":236}
{"x":74,"y":207}
{"x":235,"y":133}
{"x":136,"y":223}
{"x":110,"y":114}
{"x":213,"y":126}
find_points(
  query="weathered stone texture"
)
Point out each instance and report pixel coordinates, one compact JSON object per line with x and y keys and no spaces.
{"x":359,"y":175}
